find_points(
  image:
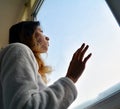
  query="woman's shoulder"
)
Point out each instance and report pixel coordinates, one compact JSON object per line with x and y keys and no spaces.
{"x":14,"y":48}
{"x":18,"y":46}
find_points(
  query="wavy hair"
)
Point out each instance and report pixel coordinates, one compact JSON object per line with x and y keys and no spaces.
{"x":23,"y":32}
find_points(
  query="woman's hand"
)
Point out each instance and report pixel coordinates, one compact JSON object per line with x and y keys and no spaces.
{"x":77,"y":64}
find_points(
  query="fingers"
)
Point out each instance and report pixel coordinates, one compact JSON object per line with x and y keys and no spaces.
{"x":79,"y":54}
{"x":82,"y":53}
{"x":86,"y":58}
{"x":76,"y":54}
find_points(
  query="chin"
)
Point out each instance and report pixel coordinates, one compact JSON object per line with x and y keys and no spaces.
{"x":44,"y":50}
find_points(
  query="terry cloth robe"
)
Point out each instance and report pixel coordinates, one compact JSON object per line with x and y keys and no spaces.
{"x":21,"y":86}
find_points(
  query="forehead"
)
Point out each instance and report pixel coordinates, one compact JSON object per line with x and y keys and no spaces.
{"x":38,"y":28}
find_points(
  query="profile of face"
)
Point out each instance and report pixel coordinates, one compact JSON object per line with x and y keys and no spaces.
{"x":41,"y":40}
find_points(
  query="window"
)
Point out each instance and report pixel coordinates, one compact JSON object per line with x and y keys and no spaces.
{"x":70,"y":23}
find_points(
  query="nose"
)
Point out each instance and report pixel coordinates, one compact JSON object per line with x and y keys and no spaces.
{"x":47,"y":38}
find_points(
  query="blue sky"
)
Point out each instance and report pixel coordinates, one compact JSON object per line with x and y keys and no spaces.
{"x":69,"y":23}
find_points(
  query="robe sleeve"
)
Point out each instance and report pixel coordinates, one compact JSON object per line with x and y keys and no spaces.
{"x":19,"y":83}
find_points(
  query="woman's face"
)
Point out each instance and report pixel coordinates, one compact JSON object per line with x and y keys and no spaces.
{"x":42,"y":40}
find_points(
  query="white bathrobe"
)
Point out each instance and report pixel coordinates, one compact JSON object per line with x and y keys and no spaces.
{"x":21,"y":86}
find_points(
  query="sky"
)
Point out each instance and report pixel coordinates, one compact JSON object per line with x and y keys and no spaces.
{"x":68,"y":24}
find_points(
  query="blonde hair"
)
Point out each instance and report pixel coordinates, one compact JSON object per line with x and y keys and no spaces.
{"x":43,"y":68}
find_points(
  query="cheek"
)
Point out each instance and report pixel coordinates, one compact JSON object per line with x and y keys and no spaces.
{"x":38,"y":39}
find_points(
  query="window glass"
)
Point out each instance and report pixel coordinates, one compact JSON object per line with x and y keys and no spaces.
{"x":69,"y":23}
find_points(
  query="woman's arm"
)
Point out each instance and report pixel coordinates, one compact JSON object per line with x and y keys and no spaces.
{"x":19,"y":83}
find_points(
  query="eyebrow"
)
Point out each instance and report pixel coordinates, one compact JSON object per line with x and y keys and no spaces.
{"x":41,"y":31}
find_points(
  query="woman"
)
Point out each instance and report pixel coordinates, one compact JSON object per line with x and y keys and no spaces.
{"x":23,"y":72}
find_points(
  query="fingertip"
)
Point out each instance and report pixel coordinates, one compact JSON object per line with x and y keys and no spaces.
{"x":85,"y":49}
{"x":90,"y":55}
{"x":87,"y":46}
{"x":83,"y":44}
